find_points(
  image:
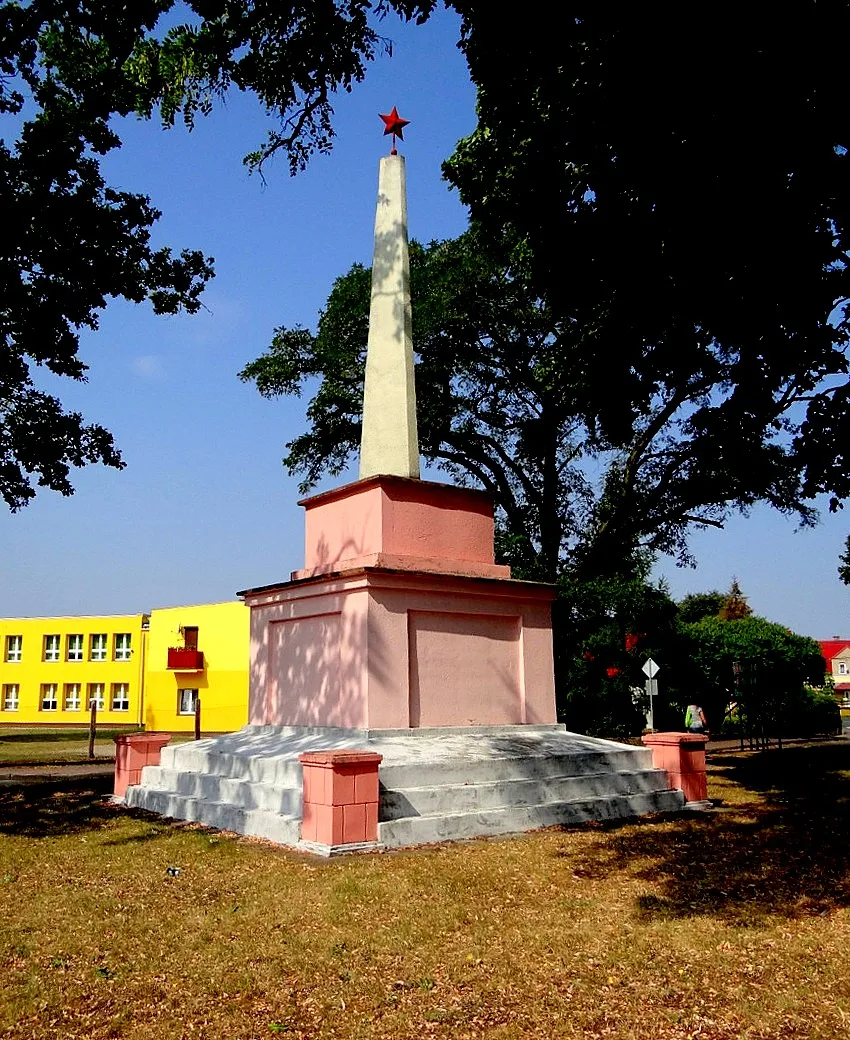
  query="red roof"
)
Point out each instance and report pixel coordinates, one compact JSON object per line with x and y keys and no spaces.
{"x":832,"y":648}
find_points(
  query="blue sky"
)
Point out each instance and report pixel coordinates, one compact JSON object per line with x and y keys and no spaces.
{"x":204,"y":507}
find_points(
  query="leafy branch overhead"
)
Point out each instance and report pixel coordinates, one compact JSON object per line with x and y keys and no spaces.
{"x":294,"y":57}
{"x":681,"y":182}
{"x":70,"y":241}
{"x":844,"y":563}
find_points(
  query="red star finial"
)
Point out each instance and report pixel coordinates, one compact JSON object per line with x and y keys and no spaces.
{"x":394,"y":124}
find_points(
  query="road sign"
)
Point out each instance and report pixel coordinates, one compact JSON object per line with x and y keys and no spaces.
{"x":650,"y":668}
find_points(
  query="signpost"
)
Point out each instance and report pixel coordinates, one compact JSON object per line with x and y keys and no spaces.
{"x":650,"y":670}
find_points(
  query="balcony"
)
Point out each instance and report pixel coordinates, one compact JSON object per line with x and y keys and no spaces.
{"x":181,"y":659}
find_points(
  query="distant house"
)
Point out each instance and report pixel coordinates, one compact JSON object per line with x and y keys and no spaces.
{"x":836,"y":654}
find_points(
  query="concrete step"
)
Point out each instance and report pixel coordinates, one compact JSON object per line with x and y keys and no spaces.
{"x":204,"y":757}
{"x":420,"y":830}
{"x":494,"y":766}
{"x":259,"y":823}
{"x":472,"y":797}
{"x":435,"y":786}
{"x":261,"y":758}
{"x":214,"y":787}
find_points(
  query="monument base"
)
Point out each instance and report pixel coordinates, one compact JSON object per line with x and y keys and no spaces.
{"x":400,"y":618}
{"x":385,"y":649}
{"x":443,"y":784}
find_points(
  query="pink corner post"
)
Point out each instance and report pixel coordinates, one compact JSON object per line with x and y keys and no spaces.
{"x":682,"y":755}
{"x":134,"y":751}
{"x":340,"y":799}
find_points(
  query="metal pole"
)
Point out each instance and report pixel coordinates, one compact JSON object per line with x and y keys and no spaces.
{"x":652,"y":691}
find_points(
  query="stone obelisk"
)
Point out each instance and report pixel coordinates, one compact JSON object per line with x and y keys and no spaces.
{"x":389,"y":443}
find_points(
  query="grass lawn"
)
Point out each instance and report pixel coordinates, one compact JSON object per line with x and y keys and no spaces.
{"x":22,"y":746}
{"x":43,"y":745}
{"x":734,"y":924}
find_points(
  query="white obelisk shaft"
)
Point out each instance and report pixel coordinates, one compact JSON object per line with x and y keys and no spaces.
{"x":389,"y":443}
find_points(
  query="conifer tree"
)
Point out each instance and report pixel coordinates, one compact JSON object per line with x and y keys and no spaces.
{"x":736,"y":607}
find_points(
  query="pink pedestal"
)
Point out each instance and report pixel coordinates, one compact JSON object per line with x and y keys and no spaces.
{"x":134,"y":751}
{"x":682,"y":755}
{"x":340,"y":798}
{"x":401,"y":618}
{"x":400,"y":523}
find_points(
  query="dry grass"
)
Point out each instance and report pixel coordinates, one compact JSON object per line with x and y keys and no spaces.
{"x":732,"y":925}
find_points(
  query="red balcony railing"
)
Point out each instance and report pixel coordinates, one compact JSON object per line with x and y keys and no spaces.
{"x":183,"y":660}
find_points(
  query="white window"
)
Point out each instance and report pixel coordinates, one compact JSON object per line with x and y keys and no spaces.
{"x":120,"y":696}
{"x":75,"y":648}
{"x":48,"y":696}
{"x":11,"y":692}
{"x":13,"y":648}
{"x":96,"y":695}
{"x":71,"y":697}
{"x":122,"y":646}
{"x":97,"y":649}
{"x":186,"y":702}
{"x":842,"y":667}
{"x":51,"y":648}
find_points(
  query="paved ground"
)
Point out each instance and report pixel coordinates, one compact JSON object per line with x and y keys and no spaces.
{"x":29,"y":774}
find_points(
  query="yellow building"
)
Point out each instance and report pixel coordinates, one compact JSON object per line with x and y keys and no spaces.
{"x":196,"y":652}
{"x":142,"y":669}
{"x":52,"y":668}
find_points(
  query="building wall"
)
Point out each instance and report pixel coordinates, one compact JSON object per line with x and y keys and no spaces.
{"x":72,"y":655}
{"x":222,"y":684}
{"x":841,"y":666}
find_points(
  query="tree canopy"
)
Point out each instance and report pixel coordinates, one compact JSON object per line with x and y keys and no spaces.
{"x":677,"y":182}
{"x":680,"y":178}
{"x":698,"y":605}
{"x":681,"y":201}
{"x":501,"y":404}
{"x":760,"y":667}
{"x":70,"y":241}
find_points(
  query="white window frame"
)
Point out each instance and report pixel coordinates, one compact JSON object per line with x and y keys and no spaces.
{"x":123,"y":646}
{"x":842,"y":667}
{"x":120,"y":696}
{"x":98,"y":647}
{"x":182,"y":707}
{"x":96,"y":689}
{"x":72,"y":697}
{"x":49,"y":697}
{"x":74,"y":647}
{"x":11,"y":696}
{"x":14,"y":648}
{"x":52,"y":648}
